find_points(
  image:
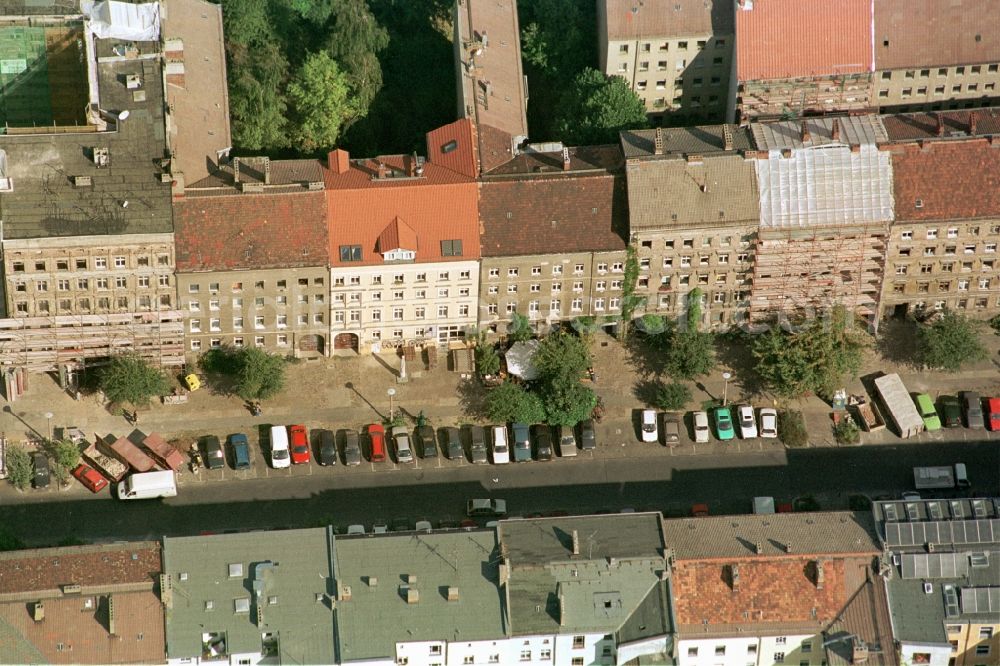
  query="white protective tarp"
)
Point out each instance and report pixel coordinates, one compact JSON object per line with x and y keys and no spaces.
{"x":121,"y":20}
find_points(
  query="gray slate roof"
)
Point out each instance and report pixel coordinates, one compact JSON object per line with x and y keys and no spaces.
{"x":377,"y":616}
{"x":45,"y":202}
{"x":675,"y":193}
{"x":302,"y":569}
{"x":827,"y":532}
{"x":700,"y":140}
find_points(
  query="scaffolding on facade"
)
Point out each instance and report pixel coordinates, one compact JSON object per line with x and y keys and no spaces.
{"x":806,"y":96}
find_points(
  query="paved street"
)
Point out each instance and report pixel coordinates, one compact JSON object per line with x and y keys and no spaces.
{"x":316,"y":496}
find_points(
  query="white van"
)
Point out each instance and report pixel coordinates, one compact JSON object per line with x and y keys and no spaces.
{"x":961,"y":476}
{"x":501,"y":452}
{"x":148,"y":485}
{"x":279,"y":447}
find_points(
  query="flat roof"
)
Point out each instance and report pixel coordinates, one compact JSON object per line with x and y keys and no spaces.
{"x":214,"y":581}
{"x":631,"y":20}
{"x":378,"y":572}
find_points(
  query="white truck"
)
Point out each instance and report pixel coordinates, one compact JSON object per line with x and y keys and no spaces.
{"x":940,"y":477}
{"x":899,"y":405}
{"x":148,"y":485}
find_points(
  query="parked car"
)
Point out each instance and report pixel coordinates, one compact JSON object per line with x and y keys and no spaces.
{"x":701,"y":431}
{"x":401,"y":438}
{"x":724,"y":424}
{"x":356,"y":530}
{"x":927,"y":412}
{"x":501,"y":451}
{"x":543,"y":442}
{"x":522,"y":442}
{"x":993,"y":413}
{"x":588,"y":438}
{"x":477,"y":445}
{"x":567,"y":442}
{"x":973,"y":410}
{"x":212,"y":448}
{"x":279,"y":447}
{"x":90,"y":478}
{"x":486,"y":507}
{"x":299,"y":441}
{"x":671,"y":429}
{"x":768,"y":423}
{"x":951,"y":411}
{"x":352,"y":447}
{"x":648,"y":424}
{"x":426,"y":442}
{"x":327,"y":452}
{"x":747,"y":422}
{"x":451,"y":443}
{"x":699,"y":510}
{"x":40,"y":463}
{"x":376,"y":443}
{"x":241,"y":450}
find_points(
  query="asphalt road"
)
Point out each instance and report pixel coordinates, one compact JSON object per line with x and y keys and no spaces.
{"x":341,"y":497}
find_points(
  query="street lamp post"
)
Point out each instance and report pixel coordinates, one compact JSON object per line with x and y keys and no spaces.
{"x":48,"y":420}
{"x":725,"y":387}
{"x":391,"y":393}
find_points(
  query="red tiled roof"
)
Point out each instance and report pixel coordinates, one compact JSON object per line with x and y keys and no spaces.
{"x":48,"y":568}
{"x":783,"y":39}
{"x":439,"y":205}
{"x":553,"y":214}
{"x":246,"y":231}
{"x":931,"y":33}
{"x":771,"y":591}
{"x":453,"y":146}
{"x":910,"y":126}
{"x":951,"y":179}
{"x":397,"y":235}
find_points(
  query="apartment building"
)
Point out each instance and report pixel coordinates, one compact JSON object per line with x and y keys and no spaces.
{"x":826,"y":204}
{"x":553,"y":238}
{"x":936,"y":55}
{"x":404,"y":246}
{"x":942,"y":252}
{"x":252,"y":258}
{"x":677,"y":56}
{"x":779,"y":589}
{"x":693,"y":206}
{"x":942,"y":575}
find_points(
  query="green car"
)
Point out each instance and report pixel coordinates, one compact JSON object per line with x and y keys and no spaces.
{"x":724,"y":423}
{"x":951,"y":411}
{"x":927,"y":412}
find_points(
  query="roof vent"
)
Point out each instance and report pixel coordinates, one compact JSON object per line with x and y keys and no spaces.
{"x":236,"y":570}
{"x":452,"y":593}
{"x":72,"y":588}
{"x":209,"y":605}
{"x":345,"y":593}
{"x":411,"y":579}
{"x":576,"y":542}
{"x":252,"y":187}
{"x":182,"y":575}
{"x":372,"y":581}
{"x":102,"y":158}
{"x":241,"y":605}
{"x":758,"y":548}
{"x":412,"y":595}
{"x":82,"y":181}
{"x":272,"y":601}
{"x":928,"y":588}
{"x":38,"y":611}
{"x":819,"y":575}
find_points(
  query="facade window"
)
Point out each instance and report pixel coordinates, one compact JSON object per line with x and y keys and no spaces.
{"x":451,"y":248}
{"x":557,"y":270}
{"x":350,"y":253}
{"x":512,"y":272}
{"x":121,"y":282}
{"x":779,"y":657}
{"x":602,"y":268}
{"x":420,"y":313}
{"x":578,"y":269}
{"x":238,"y":323}
{"x":214,"y":324}
{"x":194,"y":325}
{"x":443,"y":311}
{"x":555,"y":305}
{"x":119,"y":262}
{"x":100,"y":262}
{"x":258,"y":322}
{"x":617,"y":267}
{"x":196,"y":345}
{"x":495,"y":273}
{"x":599,"y":304}
{"x":692,"y":652}
{"x":576,"y":305}
{"x":512,"y":289}
{"x":258,"y":340}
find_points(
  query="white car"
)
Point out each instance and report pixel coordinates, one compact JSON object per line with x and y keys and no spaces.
{"x":768,"y":423}
{"x":280,"y":457}
{"x":746,"y":421}
{"x":404,"y":452}
{"x":501,"y":451}
{"x":700,"y":427}
{"x":649,"y":433}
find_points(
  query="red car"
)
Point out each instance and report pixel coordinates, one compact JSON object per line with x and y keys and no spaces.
{"x":90,"y":478}
{"x":299,"y":444}
{"x":993,"y":413}
{"x":376,"y":439}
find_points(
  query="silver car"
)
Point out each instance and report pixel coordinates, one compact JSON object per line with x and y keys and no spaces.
{"x":567,"y":442}
{"x":404,"y":452}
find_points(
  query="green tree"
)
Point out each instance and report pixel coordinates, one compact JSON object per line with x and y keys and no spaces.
{"x":130,"y":379}
{"x":792,"y":429}
{"x":259,"y":375}
{"x":562,"y":354}
{"x":519,"y":328}
{"x":596,"y":108}
{"x":256,"y":96}
{"x":561,"y":361}
{"x":354,"y":40}
{"x":65,"y":457}
{"x":322,"y":102}
{"x":487,"y":359}
{"x":567,"y":402}
{"x":688,"y":351}
{"x":814,"y":359}
{"x":630,"y":301}
{"x":951,"y":342}
{"x":557,"y":36}
{"x":846,"y":431}
{"x":512,"y":403}
{"x":19,"y":469}
{"x":673,"y":396}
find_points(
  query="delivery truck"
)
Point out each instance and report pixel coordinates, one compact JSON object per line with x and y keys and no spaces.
{"x":899,"y":407}
{"x":148,"y":485}
{"x":941,"y":477}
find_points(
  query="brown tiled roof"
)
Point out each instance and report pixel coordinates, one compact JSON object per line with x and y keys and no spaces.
{"x":438,"y":205}
{"x":493,"y":146}
{"x":783,"y":39}
{"x":772,"y":594}
{"x":293,"y":175}
{"x":944,"y":180}
{"x":673,"y":18}
{"x":929,"y":33}
{"x":246,"y":231}
{"x":584,"y":158}
{"x":46,"y":569}
{"x":910,"y":126}
{"x":75,"y":633}
{"x":453,"y":146}
{"x":553,"y":215}
{"x":866,"y":616}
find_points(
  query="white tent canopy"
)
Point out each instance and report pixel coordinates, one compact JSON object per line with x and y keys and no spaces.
{"x":122,"y":20}
{"x":519,"y":359}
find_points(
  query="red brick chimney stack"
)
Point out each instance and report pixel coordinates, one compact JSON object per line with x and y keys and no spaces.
{"x":339,"y":160}
{"x":565,"y":159}
{"x":658,"y":142}
{"x":973,"y":122}
{"x":805,"y":132}
{"x":940,"y":124}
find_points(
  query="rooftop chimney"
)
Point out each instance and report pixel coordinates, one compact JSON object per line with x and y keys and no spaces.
{"x":734,"y":577}
{"x":576,"y":542}
{"x":727,"y":137}
{"x":411,"y":167}
{"x":758,"y":548}
{"x":381,"y":170}
{"x":565,"y":156}
{"x":452,"y":593}
{"x":38,"y":612}
{"x":412,"y":595}
{"x":788,"y":547}
{"x":338,"y":160}
{"x":658,"y":142}
{"x":835,"y":130}
{"x":973,"y":121}
{"x":805,"y":132}
{"x":819,"y":575}
{"x":940,"y":124}
{"x":859,"y":651}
